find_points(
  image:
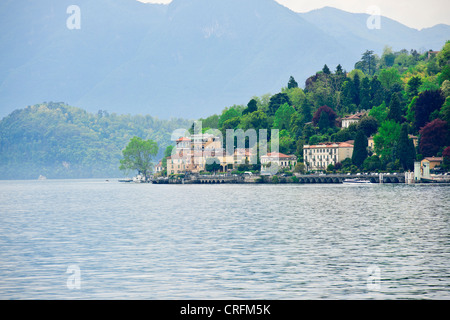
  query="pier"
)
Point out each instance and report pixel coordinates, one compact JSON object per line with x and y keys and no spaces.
{"x":297,"y":178}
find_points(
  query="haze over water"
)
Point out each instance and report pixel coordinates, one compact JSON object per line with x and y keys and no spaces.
{"x":144,"y":241}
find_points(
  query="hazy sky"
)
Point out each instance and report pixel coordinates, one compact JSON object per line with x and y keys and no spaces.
{"x":413,"y":13}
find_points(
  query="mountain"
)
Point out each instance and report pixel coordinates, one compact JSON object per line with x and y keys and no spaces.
{"x":351,"y":28}
{"x":188,"y":59}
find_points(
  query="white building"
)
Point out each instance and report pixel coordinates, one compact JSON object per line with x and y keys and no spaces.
{"x":319,"y":157}
{"x":354,"y":118}
{"x":282,"y":161}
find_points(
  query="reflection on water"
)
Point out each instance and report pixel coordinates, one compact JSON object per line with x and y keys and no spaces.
{"x":139,"y":241}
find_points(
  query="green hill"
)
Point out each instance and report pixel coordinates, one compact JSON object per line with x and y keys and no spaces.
{"x":60,"y":141}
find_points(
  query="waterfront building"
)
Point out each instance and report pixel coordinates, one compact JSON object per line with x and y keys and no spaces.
{"x":282,"y":160}
{"x":159,"y":167}
{"x":191,"y":155}
{"x":320,"y":156}
{"x":432,"y":162}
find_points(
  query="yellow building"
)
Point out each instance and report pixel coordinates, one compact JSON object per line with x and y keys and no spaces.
{"x":432,"y":161}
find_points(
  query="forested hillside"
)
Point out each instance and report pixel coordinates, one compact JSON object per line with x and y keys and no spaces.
{"x":60,"y":141}
{"x":403,"y":93}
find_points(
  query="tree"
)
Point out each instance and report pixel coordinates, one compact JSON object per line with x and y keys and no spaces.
{"x":413,"y":86}
{"x":406,"y":150}
{"x":372,"y":163}
{"x":299,"y":168}
{"x":330,"y":112}
{"x":386,"y":140}
{"x":167,"y":153}
{"x":276,"y":101}
{"x":255,"y":120}
{"x":292,"y":83}
{"x":388,"y":57}
{"x":369,"y":125}
{"x":395,"y":112}
{"x":306,"y":111}
{"x":426,"y":104}
{"x":389,"y":77}
{"x":283,"y":117}
{"x":446,"y":156}
{"x":296,"y":96}
{"x":444,"y":114}
{"x":231,"y":124}
{"x":356,"y":89}
{"x":286,"y":142}
{"x":443,"y":57}
{"x":359,"y":149}
{"x":364,"y":94}
{"x":296,"y":124}
{"x":228,"y":114}
{"x":433,"y":137}
{"x":138,"y":155}
{"x":326,"y":70}
{"x":252,"y":106}
{"x":376,"y":91}
{"x":324,"y":122}
{"x":445,"y":88}
{"x":368,"y":63}
{"x":212,"y":165}
{"x":444,"y":75}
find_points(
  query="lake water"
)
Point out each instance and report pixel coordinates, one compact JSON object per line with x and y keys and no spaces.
{"x":93,"y":239}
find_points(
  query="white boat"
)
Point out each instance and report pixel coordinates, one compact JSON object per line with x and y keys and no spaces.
{"x":139,"y":179}
{"x":356,"y":181}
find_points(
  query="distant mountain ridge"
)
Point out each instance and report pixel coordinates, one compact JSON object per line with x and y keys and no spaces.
{"x":188,"y":59}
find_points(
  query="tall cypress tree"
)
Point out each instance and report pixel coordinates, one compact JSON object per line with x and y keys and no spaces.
{"x":365,"y":94}
{"x":406,"y":150}
{"x":356,"y":89}
{"x":395,"y":112}
{"x":360,"y":149}
{"x":376,"y":91}
{"x":324,"y":122}
{"x":292,"y":83}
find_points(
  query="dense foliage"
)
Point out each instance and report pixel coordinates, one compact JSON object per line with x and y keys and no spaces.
{"x":59,"y":141}
{"x":138,"y":156}
{"x":403,"y":93}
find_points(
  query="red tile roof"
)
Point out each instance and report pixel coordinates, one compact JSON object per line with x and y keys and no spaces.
{"x":435,"y":159}
{"x":183,"y":139}
{"x":278,"y":155}
{"x":330,"y":145}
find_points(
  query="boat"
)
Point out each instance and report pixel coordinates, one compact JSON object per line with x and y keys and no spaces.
{"x":41,"y":177}
{"x":126,"y":180}
{"x":139,"y":179}
{"x":356,"y":181}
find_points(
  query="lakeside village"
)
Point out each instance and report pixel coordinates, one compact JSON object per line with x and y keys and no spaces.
{"x":201,"y":158}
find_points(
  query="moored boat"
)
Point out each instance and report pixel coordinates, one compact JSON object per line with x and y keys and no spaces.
{"x":356,"y":181}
